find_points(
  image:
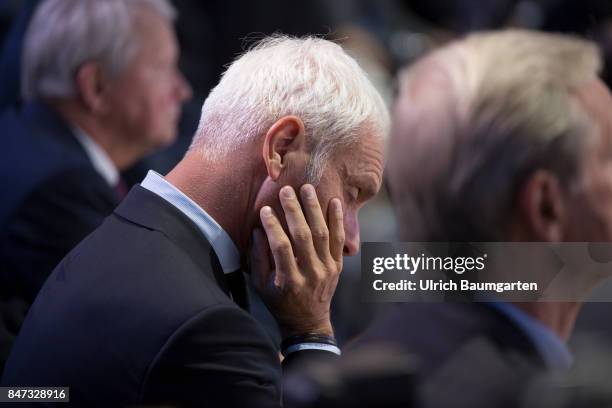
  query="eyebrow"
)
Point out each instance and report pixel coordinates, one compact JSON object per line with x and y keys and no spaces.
{"x":369,"y":184}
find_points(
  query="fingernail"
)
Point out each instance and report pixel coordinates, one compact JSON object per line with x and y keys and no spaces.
{"x":287,"y":192}
{"x":309,"y":191}
{"x":266,"y":211}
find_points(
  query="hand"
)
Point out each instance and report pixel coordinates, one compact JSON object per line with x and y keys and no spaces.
{"x":297,"y":281}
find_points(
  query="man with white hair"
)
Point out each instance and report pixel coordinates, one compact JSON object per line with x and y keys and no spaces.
{"x":149,"y":307}
{"x":519,"y":125}
{"x":102,"y":89}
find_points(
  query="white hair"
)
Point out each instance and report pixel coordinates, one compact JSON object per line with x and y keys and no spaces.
{"x":477,"y":116}
{"x":310,"y":78}
{"x":64,"y":34}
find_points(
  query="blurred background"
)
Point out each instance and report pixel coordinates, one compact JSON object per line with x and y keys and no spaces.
{"x":383,"y":35}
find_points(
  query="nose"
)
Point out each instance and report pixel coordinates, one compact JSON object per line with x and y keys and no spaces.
{"x":351,"y":235}
{"x":184,"y":90}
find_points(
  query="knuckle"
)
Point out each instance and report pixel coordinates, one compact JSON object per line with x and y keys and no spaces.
{"x":295,"y":287}
{"x":269,"y":223}
{"x":302,"y":235}
{"x":291,"y":206}
{"x":332,"y":267}
{"x":339,"y":237}
{"x":319,"y":279}
{"x":313,"y":206}
{"x":294,"y":213}
{"x":281,"y":246}
{"x":320,"y":233}
{"x":323,"y":272}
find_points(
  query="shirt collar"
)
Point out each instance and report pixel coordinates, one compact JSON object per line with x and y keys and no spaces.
{"x":222,"y":244}
{"x":98,"y":157}
{"x":553,"y":350}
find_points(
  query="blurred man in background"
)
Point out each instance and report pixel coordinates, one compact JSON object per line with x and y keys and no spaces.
{"x":102,"y":89}
{"x":519,"y":125}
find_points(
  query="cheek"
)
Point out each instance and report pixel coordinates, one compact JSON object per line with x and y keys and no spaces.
{"x":267,"y":195}
{"x":158,"y":104}
{"x":160,"y":113}
{"x":603,"y":208}
{"x":154,"y":93}
{"x":328,"y":189}
{"x":594,"y":213}
{"x":133,"y":100}
{"x":164,"y":96}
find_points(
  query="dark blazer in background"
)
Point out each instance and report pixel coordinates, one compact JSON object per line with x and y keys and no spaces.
{"x":51,"y":198}
{"x":139,"y":312}
{"x":469,"y":354}
{"x":10,"y":59}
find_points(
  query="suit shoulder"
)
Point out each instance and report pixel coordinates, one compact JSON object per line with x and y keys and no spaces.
{"x":35,"y":160}
{"x":143,"y":268}
{"x":75,"y":193}
{"x":446,"y":333}
{"x":47,"y":145}
{"x":78,"y":181}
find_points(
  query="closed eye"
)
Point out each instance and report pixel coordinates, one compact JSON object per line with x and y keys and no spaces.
{"x":353,"y":193}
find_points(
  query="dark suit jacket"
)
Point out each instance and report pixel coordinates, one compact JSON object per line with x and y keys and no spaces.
{"x":139,"y":313}
{"x":51,"y":198}
{"x":469,"y":354}
{"x":10,"y":60}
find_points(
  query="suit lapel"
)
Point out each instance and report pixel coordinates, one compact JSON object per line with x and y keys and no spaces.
{"x":149,"y":210}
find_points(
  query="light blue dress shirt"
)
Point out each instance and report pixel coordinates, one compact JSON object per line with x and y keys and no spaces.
{"x":222,"y":244}
{"x":553,"y":350}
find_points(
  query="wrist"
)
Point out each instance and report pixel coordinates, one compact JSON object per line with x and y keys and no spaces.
{"x":323,"y":329}
{"x":309,"y":341}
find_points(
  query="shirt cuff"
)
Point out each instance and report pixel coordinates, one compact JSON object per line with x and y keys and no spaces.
{"x":312,"y":346}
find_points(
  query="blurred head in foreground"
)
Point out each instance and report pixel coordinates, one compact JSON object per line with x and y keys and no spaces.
{"x":504,"y":137}
{"x":501,"y":136}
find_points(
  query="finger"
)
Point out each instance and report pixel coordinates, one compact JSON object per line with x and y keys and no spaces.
{"x":335,"y":221}
{"x":316,"y":221}
{"x":298,"y":228}
{"x":280,"y":246}
{"x":261,"y":268}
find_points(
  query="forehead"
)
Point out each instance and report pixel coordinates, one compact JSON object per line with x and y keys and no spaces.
{"x":596,"y":100}
{"x":365,"y":158}
{"x":154,"y":32}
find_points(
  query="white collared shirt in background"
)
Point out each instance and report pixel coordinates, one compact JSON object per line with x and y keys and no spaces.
{"x":98,"y":157}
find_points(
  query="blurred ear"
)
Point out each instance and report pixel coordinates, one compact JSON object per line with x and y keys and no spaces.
{"x":542,"y":206}
{"x":285,"y":137}
{"x":90,"y":86}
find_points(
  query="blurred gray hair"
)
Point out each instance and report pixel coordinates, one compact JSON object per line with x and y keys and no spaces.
{"x":64,"y":34}
{"x":477,"y":117}
{"x":310,"y":78}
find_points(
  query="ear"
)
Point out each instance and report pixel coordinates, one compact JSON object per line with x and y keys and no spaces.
{"x":90,"y":86}
{"x":285,"y":136}
{"x":541,"y":202}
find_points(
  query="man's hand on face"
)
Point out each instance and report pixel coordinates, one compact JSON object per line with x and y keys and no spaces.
{"x":296,"y":275}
